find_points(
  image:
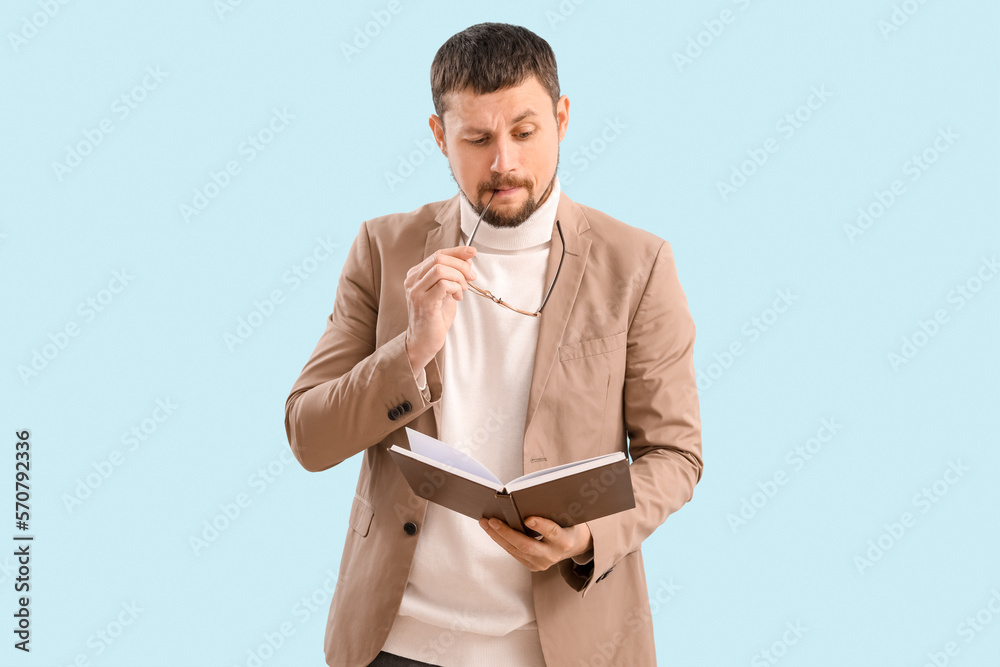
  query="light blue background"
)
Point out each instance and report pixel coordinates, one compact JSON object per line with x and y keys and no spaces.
{"x":685,"y":129}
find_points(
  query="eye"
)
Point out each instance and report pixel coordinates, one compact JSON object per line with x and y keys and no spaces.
{"x":525,"y":134}
{"x":478,"y":142}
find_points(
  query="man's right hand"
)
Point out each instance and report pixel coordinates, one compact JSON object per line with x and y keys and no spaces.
{"x":432,"y":289}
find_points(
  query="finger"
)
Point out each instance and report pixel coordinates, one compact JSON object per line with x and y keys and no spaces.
{"x":549,"y":530}
{"x":495,"y":535}
{"x":528,"y":546}
{"x":418,"y":271}
{"x":507,"y":546}
{"x":442,"y":289}
{"x":463,"y":251}
{"x":457,"y":258}
{"x":412,"y":275}
{"x":437,"y":271}
{"x":441,"y":273}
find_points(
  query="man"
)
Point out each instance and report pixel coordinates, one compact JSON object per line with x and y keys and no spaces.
{"x":587,"y":352}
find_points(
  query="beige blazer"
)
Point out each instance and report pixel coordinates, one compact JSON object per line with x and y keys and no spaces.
{"x":613,"y":371}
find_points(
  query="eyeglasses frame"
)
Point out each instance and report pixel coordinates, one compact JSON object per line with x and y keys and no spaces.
{"x":495,"y":299}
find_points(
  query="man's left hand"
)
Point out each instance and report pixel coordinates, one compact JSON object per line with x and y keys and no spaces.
{"x":537,"y":554}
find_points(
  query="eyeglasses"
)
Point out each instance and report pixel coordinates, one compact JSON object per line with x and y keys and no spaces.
{"x":495,"y":299}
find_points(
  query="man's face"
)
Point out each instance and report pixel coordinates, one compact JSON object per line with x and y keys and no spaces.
{"x":507,"y":140}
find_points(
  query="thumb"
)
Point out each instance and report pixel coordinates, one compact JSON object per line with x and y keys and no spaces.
{"x":542,"y":525}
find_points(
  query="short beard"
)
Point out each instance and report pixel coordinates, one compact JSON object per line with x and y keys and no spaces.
{"x":500,"y":220}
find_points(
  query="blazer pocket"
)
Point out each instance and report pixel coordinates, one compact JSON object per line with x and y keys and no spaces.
{"x":593,"y":347}
{"x":361,"y":515}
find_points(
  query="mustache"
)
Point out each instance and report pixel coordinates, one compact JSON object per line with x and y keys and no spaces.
{"x":502,"y":184}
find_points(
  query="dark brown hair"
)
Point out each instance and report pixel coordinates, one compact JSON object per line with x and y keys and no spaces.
{"x":489,"y":56}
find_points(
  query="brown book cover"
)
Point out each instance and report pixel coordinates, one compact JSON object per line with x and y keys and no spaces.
{"x":567,"y":494}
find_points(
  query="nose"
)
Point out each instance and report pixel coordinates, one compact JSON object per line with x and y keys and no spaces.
{"x":505,"y":159}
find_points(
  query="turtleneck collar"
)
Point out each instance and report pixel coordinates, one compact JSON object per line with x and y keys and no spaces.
{"x":534,"y":231}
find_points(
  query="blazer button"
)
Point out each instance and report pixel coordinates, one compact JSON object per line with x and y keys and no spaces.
{"x":406,"y":406}
{"x":410,"y":527}
{"x":393,"y":414}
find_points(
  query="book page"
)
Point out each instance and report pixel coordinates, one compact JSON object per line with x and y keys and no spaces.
{"x":433,"y":448}
{"x":437,"y":465}
{"x":563,"y":470}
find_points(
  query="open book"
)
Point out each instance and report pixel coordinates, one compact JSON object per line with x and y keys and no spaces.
{"x":567,"y":494}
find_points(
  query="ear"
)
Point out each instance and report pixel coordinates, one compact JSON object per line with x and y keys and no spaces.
{"x":562,"y":116}
{"x":437,"y":128}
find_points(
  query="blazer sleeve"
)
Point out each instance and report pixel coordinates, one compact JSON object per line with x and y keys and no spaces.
{"x":352,"y":393}
{"x":662,"y":420}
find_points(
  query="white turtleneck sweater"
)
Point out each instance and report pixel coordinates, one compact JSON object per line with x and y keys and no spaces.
{"x":467,"y":601}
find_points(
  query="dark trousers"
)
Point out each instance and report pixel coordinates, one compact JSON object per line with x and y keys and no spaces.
{"x":384,"y":659}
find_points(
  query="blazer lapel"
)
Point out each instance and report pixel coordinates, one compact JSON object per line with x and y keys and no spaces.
{"x":560,"y":303}
{"x":447,"y":234}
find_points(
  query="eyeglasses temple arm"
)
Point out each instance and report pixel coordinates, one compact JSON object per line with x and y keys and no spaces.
{"x":562,"y":242}
{"x":486,"y":208}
